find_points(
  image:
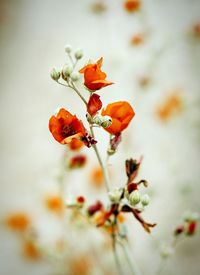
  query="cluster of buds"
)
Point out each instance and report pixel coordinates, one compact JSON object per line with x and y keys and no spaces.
{"x":68,"y":72}
{"x":188,"y":225}
{"x":99,"y":120}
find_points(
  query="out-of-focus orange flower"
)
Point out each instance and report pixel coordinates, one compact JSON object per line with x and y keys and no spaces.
{"x":76,"y":144}
{"x":144,"y":81}
{"x":137,"y":40}
{"x":18,"y":222}
{"x":98,"y":7}
{"x":94,"y":78}
{"x":54,"y":203}
{"x":132,"y":5}
{"x":121,"y":218}
{"x":77,"y":161}
{"x":96,"y":176}
{"x":80,"y":265}
{"x":171,"y":106}
{"x":191,"y":229}
{"x":31,"y":251}
{"x":121,"y":113}
{"x":65,"y":127}
{"x":94,"y":104}
{"x":196,"y":30}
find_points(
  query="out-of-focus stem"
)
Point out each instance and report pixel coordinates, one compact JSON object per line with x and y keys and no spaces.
{"x":130,"y":260}
{"x":104,"y":170}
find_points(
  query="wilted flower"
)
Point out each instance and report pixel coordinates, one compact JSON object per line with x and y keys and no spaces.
{"x":94,"y":104}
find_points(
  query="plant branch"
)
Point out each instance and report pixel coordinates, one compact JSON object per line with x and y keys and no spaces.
{"x":104,"y":170}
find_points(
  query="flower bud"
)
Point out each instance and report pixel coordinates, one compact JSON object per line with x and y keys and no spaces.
{"x":97,"y":120}
{"x":78,"y":53}
{"x":145,"y":200}
{"x":115,"y":195}
{"x":106,"y":121}
{"x":55,"y":74}
{"x":68,"y":49}
{"x":75,"y":76}
{"x":67,"y":70}
{"x":134,"y":197}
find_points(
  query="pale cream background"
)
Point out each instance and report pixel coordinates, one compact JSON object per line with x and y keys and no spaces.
{"x":33,"y":35}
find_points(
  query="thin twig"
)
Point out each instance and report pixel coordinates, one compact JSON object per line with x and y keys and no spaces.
{"x":73,"y":87}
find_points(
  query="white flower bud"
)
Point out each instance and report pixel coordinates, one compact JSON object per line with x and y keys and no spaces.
{"x":106,"y":121}
{"x":97,"y":120}
{"x":55,"y":74}
{"x":145,"y":200}
{"x":68,"y":49}
{"x":78,"y":54}
{"x":75,"y":76}
{"x":134,"y":197}
{"x":67,"y":70}
{"x":115,"y":195}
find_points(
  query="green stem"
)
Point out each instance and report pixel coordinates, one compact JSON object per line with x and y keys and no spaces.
{"x":104,"y":170}
{"x":73,"y":87}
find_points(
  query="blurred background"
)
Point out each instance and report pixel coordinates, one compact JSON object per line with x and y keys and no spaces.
{"x":153,"y":57}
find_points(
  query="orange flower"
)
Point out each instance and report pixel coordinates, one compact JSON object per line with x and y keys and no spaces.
{"x":55,"y":204}
{"x":137,"y":40}
{"x":18,"y":222}
{"x":31,"y":251}
{"x":132,"y":5}
{"x":65,"y":127}
{"x":196,"y":30}
{"x":75,"y":144}
{"x":95,"y":79}
{"x":96,"y":176}
{"x":172,"y":105}
{"x":121,"y":113}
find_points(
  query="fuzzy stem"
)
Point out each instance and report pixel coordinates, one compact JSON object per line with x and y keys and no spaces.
{"x":104,"y":170}
{"x":130,"y":260}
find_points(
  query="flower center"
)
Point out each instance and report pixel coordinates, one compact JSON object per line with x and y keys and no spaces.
{"x":68,"y":130}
